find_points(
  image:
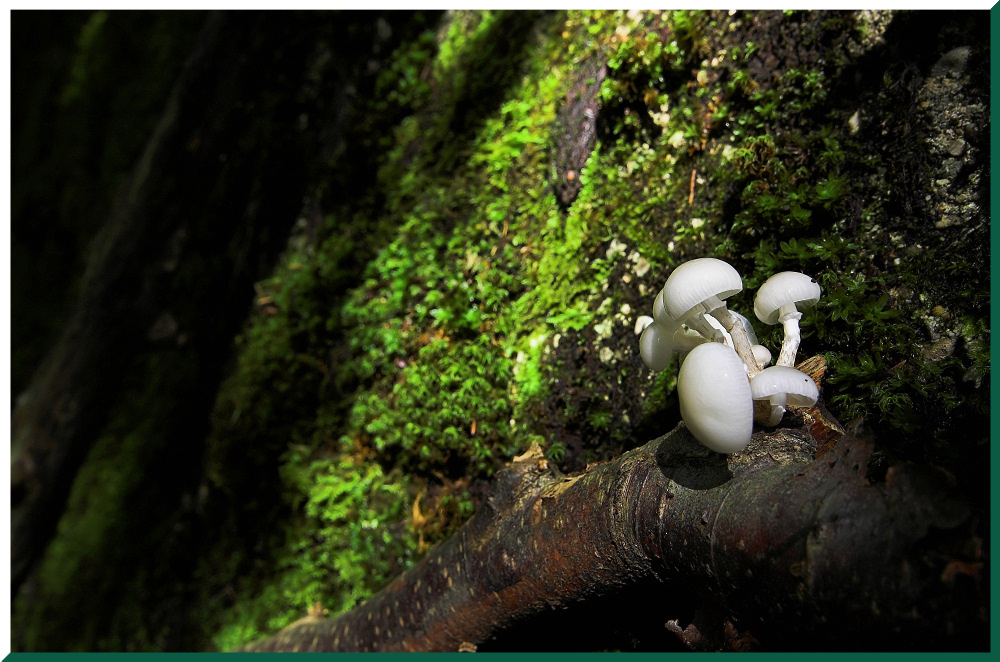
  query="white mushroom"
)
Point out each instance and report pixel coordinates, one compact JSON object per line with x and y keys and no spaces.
{"x":686,"y":339}
{"x":762,"y":354}
{"x":777,"y":301}
{"x":655,"y":347}
{"x":778,"y":387}
{"x":700,"y":286}
{"x":641,"y":322}
{"x":697,"y":324}
{"x":659,"y":342}
{"x":662,"y":337}
{"x":715,"y":399}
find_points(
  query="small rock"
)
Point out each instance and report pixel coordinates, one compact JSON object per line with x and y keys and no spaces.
{"x":952,"y":63}
{"x":940,"y":350}
{"x":956,"y":147}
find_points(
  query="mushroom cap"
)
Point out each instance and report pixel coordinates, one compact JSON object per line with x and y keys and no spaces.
{"x":695,"y":281}
{"x":762,"y":354}
{"x":798,"y":388}
{"x":641,"y":322}
{"x":656,"y":347}
{"x":660,"y":313}
{"x":782,"y":289}
{"x":715,"y":398}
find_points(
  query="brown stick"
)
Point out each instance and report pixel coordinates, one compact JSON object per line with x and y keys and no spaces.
{"x":792,"y":549}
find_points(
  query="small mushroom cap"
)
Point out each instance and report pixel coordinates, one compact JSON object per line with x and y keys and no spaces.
{"x":656,"y":347}
{"x":695,"y":281}
{"x":762,"y":354}
{"x":715,"y":398}
{"x":782,"y":289}
{"x":798,"y":388}
{"x":641,"y":322}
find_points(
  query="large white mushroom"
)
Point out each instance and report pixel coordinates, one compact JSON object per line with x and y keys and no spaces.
{"x":715,"y":399}
{"x":699,"y":287}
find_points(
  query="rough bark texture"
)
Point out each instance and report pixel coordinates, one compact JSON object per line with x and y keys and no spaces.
{"x":780,"y":550}
{"x":55,"y":422}
{"x":180,"y":219}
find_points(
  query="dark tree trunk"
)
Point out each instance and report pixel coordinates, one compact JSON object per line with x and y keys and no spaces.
{"x":202,"y":217}
{"x":776,"y":549}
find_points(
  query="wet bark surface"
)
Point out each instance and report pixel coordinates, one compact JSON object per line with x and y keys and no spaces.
{"x":576,"y":127}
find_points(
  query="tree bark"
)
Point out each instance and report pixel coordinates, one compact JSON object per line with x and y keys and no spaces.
{"x":202,"y":216}
{"x":778,"y":548}
{"x":55,"y":421}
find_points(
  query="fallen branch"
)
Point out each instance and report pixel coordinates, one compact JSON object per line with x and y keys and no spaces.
{"x":780,"y":549}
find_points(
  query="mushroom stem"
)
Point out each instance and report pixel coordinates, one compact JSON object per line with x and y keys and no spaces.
{"x":739,"y":334}
{"x":698,"y":324}
{"x":777,"y":388}
{"x":767,"y":412}
{"x":685,"y":341}
{"x":682,"y":339}
{"x":790,"y":344}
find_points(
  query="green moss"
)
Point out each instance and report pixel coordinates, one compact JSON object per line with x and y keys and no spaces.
{"x":488,"y":316}
{"x":351,"y":539}
{"x":461,"y":390}
{"x":426,"y":386}
{"x":110,"y":500}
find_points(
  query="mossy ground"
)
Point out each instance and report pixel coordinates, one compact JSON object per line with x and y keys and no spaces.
{"x":434,"y":325}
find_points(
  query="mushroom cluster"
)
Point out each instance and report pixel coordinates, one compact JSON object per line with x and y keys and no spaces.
{"x":726,"y":382}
